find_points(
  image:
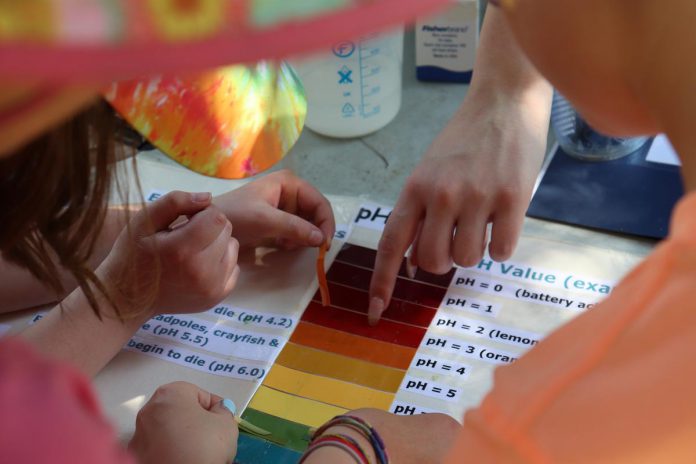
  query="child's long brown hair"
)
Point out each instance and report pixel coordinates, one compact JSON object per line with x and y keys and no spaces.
{"x":55,"y":192}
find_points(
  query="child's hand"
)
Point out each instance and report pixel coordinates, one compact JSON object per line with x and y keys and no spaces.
{"x":184,"y":424}
{"x":187,"y":268}
{"x":281,"y":207}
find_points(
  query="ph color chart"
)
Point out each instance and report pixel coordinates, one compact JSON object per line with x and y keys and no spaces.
{"x":335,"y":362}
{"x":437,"y":345}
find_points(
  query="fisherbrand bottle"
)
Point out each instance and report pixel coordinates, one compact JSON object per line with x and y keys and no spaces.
{"x":354,"y":88}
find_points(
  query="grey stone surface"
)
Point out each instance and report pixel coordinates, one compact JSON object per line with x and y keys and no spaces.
{"x":378,"y":164}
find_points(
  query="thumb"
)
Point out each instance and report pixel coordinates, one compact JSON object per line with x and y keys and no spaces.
{"x":223,"y":406}
{"x":226,"y":408}
{"x":165,"y":210}
{"x":291,"y":228}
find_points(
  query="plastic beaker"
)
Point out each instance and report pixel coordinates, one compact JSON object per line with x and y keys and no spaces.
{"x":354,"y":88}
{"x":579,"y":140}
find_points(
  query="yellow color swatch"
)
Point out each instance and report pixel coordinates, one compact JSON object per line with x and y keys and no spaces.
{"x":309,"y":360}
{"x":293,"y":408}
{"x":326,"y":390}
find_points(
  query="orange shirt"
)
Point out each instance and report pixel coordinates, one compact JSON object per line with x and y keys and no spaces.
{"x":615,"y":385}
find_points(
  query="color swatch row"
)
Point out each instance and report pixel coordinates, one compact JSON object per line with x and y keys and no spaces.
{"x":335,"y":361}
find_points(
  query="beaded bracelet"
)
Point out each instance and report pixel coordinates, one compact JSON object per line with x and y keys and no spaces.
{"x":362,"y":427}
{"x":340,"y":441}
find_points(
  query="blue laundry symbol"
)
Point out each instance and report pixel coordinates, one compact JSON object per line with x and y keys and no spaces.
{"x":344,"y":75}
{"x":348,"y":109}
{"x":343,"y":49}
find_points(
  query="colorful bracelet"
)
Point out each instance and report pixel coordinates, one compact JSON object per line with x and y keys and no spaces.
{"x":362,"y":427}
{"x":340,"y":441}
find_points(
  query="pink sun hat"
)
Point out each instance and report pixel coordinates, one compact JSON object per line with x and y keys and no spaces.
{"x":164,"y":66}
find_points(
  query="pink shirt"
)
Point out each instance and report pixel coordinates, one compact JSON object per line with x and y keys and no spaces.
{"x":49,"y":413}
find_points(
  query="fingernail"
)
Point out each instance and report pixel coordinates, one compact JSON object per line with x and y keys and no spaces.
{"x":230,"y":406}
{"x":502,"y":253}
{"x":375,"y":310}
{"x":507,"y":4}
{"x":411,"y":268}
{"x":221,"y":218}
{"x":201,"y":197}
{"x":316,"y":238}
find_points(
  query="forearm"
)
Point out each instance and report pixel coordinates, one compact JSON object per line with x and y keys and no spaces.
{"x":19,"y":289}
{"x":72,"y":331}
{"x":502,"y":70}
{"x":508,"y":105}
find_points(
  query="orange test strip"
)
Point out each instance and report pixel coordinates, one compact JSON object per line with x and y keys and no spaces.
{"x":321,"y":276}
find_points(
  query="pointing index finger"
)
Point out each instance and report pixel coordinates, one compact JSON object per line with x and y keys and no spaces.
{"x":397,"y":236}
